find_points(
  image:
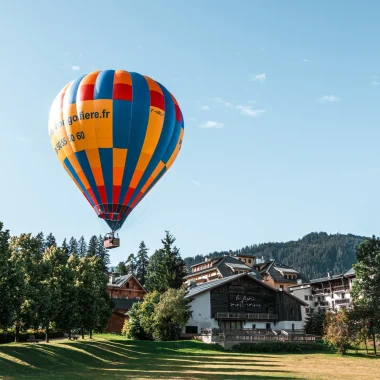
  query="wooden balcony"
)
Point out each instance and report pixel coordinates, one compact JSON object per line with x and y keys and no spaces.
{"x":247,"y":316}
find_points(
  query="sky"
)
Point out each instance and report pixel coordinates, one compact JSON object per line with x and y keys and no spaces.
{"x":280,"y":102}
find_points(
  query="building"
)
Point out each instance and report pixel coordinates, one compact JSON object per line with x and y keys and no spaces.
{"x":278,"y":275}
{"x":241,"y":301}
{"x":124,"y":292}
{"x":326,"y":293}
{"x":220,"y":267}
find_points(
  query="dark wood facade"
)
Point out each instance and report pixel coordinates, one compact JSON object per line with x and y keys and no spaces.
{"x":248,"y":296}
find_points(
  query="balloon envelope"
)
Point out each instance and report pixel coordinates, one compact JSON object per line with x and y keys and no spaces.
{"x":116,"y":133}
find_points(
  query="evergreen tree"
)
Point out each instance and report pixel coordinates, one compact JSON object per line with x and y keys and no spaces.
{"x":50,"y":241}
{"x":131,"y":264}
{"x":102,"y":253}
{"x":92,"y":246}
{"x":6,"y":281}
{"x":73,"y":246}
{"x":65,"y":247}
{"x":122,"y":268}
{"x":142,"y":262}
{"x":82,"y":247}
{"x":166,"y":268}
{"x":40,"y":236}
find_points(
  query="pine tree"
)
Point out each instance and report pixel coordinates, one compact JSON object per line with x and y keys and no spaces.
{"x":121,"y":268}
{"x":82,"y":247}
{"x":92,"y":246}
{"x":40,"y":236}
{"x":65,"y":247}
{"x":142,"y":262}
{"x":73,"y":246}
{"x":131,"y":264}
{"x":166,"y":268}
{"x":50,"y":241}
{"x":102,"y":252}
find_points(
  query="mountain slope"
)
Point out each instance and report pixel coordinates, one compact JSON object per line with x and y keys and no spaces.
{"x":314,"y":255}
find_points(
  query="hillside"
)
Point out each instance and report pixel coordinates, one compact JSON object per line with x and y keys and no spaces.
{"x":313,"y":255}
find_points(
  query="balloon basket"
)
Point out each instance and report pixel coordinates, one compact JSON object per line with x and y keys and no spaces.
{"x":111,"y":241}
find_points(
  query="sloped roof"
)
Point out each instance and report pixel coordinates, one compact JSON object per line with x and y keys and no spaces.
{"x":350,"y":272}
{"x":207,"y":286}
{"x":323,"y":279}
{"x":238,"y":266}
{"x":120,"y":281}
{"x":274,"y":268}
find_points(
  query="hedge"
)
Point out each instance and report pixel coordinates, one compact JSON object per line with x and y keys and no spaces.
{"x":279,"y":347}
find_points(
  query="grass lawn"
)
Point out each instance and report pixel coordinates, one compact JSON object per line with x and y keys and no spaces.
{"x":113,"y":357}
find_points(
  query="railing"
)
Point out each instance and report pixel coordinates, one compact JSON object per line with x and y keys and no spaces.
{"x":342,"y":301}
{"x":321,"y":291}
{"x":246,"y":316}
{"x":322,"y":304}
{"x":340,"y":288}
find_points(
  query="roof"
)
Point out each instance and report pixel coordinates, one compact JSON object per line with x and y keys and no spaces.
{"x":238,"y":266}
{"x":225,"y":265}
{"x":324,"y":279}
{"x":207,"y":286}
{"x":275,"y":269}
{"x":287,"y":270}
{"x":120,"y":281}
{"x":211,"y":285}
{"x":350,"y":272}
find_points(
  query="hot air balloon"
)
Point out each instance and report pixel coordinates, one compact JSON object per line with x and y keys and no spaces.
{"x":116,"y":133}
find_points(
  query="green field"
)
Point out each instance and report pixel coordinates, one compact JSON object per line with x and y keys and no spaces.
{"x":113,"y":357}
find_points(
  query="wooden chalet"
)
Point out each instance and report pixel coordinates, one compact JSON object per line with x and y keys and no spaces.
{"x":124,"y":292}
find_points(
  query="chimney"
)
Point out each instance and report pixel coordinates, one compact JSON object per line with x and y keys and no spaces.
{"x":112,"y":278}
{"x":329,"y":274}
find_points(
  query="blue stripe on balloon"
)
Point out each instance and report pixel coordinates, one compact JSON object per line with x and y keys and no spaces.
{"x":163,"y":142}
{"x":70,"y":168}
{"x":70,"y":96}
{"x":121,"y":119}
{"x":104,"y":85}
{"x":106,"y":161}
{"x":85,"y":165}
{"x":139,"y":123}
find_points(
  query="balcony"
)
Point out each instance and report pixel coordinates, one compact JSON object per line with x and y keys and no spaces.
{"x":322,"y":304}
{"x":321,"y":291}
{"x":341,"y":288}
{"x":342,"y":301}
{"x":247,"y":316}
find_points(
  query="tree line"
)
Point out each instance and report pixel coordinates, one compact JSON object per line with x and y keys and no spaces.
{"x":51,"y":287}
{"x":314,"y":255}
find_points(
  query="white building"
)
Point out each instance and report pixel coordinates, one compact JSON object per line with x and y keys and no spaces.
{"x":327,"y":293}
{"x":242,"y":302}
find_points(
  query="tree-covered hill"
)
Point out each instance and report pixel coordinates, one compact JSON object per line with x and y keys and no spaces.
{"x":313,"y":255}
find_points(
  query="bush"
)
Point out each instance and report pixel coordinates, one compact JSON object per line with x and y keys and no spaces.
{"x":279,"y":347}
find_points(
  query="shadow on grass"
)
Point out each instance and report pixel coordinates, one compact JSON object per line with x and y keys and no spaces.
{"x":117,"y":359}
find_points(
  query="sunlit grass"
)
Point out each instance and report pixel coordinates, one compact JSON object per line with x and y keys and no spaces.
{"x":113,"y":357}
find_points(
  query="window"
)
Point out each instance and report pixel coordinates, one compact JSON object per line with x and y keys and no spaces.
{"x":306,"y":298}
{"x":253,"y":326}
{"x":293,"y":326}
{"x":244,"y":260}
{"x":250,"y":261}
{"x":191,"y":329}
{"x":127,"y":284}
{"x":281,"y":286}
{"x":267,"y":326}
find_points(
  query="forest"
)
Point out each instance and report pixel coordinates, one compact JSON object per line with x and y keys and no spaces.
{"x":314,"y":255}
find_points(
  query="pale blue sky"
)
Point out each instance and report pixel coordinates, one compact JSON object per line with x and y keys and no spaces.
{"x":289,"y":91}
